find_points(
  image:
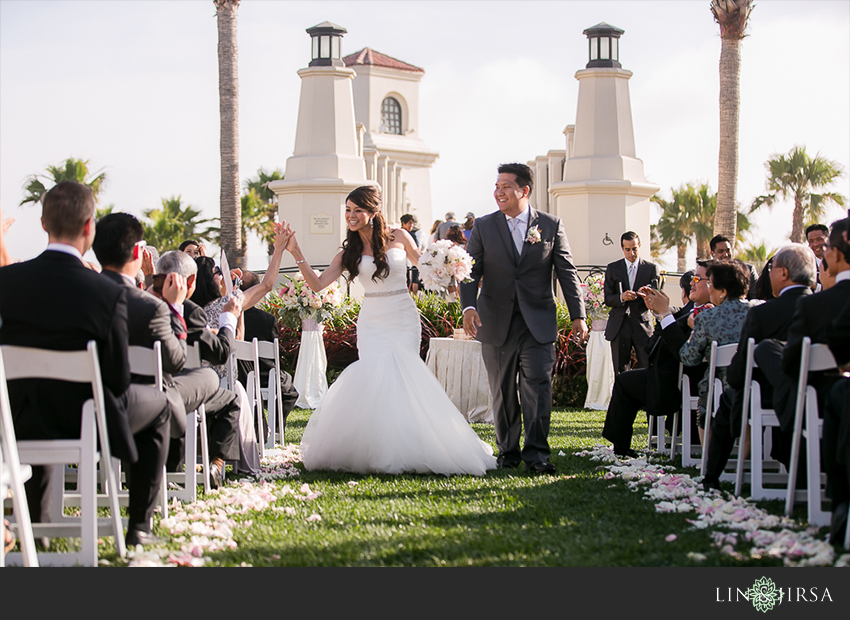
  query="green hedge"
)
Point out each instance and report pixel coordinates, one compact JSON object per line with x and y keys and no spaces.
{"x":439,"y":320}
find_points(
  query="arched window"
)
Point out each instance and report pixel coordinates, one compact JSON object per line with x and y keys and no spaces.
{"x":391,"y":115}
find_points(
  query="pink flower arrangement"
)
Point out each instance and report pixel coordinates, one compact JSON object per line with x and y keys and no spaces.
{"x":443,"y":264}
{"x":296,"y":298}
{"x":593,"y":293}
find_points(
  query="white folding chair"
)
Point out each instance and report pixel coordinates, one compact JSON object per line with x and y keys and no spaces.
{"x":248,"y":351}
{"x":813,"y":358}
{"x":272,"y":392}
{"x":187,"y":480}
{"x":763,"y":469}
{"x":721,"y":356}
{"x":148,"y":363}
{"x":690,"y":406}
{"x":12,"y":477}
{"x":78,"y":367}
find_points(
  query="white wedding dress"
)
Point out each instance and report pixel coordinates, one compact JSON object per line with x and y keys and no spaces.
{"x":386,"y":412}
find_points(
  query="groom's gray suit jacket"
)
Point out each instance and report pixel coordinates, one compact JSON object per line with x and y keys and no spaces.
{"x":525,"y":279}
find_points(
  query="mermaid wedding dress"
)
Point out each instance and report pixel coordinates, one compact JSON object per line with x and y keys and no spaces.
{"x":386,"y":412}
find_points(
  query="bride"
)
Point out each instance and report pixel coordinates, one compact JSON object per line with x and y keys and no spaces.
{"x":386,"y":412}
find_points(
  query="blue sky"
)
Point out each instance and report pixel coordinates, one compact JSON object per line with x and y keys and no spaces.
{"x":133,"y":87}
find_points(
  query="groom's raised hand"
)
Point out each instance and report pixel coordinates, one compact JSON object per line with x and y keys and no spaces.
{"x":471,"y":322}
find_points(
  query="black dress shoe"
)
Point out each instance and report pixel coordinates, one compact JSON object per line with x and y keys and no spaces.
{"x":627,"y":453}
{"x":136,"y":537}
{"x":542,"y":468}
{"x":710,"y":485}
{"x":216,"y":479}
{"x":502,"y":463}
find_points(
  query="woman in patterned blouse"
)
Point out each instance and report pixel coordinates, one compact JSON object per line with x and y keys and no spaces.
{"x":728,"y":282}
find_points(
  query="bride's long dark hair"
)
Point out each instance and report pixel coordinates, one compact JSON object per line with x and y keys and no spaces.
{"x":367,"y":197}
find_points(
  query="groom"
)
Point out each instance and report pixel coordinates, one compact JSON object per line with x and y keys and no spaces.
{"x":516,"y":250}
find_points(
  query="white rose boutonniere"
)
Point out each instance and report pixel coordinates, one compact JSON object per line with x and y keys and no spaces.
{"x":533,"y":235}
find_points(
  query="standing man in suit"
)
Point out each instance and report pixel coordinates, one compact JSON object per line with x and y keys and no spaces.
{"x":656,"y":387}
{"x":516,"y":251}
{"x":721,"y":250}
{"x":55,"y":302}
{"x":816,"y":236}
{"x":792,"y":274}
{"x":630,"y":321}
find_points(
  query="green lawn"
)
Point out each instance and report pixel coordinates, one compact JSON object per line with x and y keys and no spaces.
{"x":576,"y":518}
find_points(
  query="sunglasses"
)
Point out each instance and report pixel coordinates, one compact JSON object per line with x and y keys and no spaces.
{"x":697,"y":279}
{"x":217,"y":271}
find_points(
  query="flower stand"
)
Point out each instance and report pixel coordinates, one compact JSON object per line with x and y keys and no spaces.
{"x":600,"y":368}
{"x":311,"y":379}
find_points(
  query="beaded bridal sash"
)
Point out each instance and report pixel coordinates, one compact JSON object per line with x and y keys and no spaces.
{"x":400,"y":291}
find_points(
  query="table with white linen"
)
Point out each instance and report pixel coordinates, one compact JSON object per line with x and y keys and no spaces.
{"x":459,"y":367}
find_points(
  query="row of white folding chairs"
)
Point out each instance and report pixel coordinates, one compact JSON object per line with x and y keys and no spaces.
{"x":252,"y":352}
{"x":808,"y":428}
{"x":78,"y":367}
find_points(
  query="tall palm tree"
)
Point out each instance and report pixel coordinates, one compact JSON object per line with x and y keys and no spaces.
{"x":732,"y":16}
{"x":797,"y":175}
{"x":260,"y":186}
{"x":70,"y":170}
{"x":228,"y":95}
{"x":173,"y":224}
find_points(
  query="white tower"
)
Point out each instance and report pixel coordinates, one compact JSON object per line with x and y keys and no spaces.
{"x":603,"y":192}
{"x":326,"y":164}
{"x":386,"y":104}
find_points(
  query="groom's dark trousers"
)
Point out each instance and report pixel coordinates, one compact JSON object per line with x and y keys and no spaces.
{"x":535,"y":362}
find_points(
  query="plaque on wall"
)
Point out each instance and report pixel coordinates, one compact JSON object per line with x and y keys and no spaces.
{"x":321,"y":224}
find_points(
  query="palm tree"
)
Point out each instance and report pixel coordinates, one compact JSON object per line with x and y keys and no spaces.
{"x":732,"y":16}
{"x":70,"y":170}
{"x":797,"y":175}
{"x":688,"y":217}
{"x":228,"y":94}
{"x":260,"y":186}
{"x":674,"y":227}
{"x":173,"y":224}
{"x":755,"y":254}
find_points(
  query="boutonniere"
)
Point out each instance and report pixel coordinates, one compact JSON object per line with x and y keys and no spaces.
{"x":533,"y":235}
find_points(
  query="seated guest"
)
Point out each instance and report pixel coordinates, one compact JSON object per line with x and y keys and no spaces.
{"x":209,"y":289}
{"x":193,"y":248}
{"x":151,"y":318}
{"x":54,"y":302}
{"x":727,"y":289}
{"x":813,"y":317}
{"x":836,"y":429}
{"x":764,"y":288}
{"x":263,"y":326}
{"x":223,"y":408}
{"x":656,"y":387}
{"x":792,"y":274}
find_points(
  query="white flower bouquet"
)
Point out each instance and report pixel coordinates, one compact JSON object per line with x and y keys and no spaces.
{"x":298,"y":298}
{"x":593,"y":293}
{"x":444,"y":264}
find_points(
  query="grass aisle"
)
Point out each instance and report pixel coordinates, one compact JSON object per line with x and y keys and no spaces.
{"x":577,"y":518}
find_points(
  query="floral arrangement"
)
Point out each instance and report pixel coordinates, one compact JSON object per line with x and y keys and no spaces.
{"x":443,"y":264}
{"x":298,"y":299}
{"x":593,"y":293}
{"x":533,"y":235}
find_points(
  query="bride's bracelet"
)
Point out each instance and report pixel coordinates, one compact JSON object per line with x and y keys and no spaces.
{"x":298,"y":262}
